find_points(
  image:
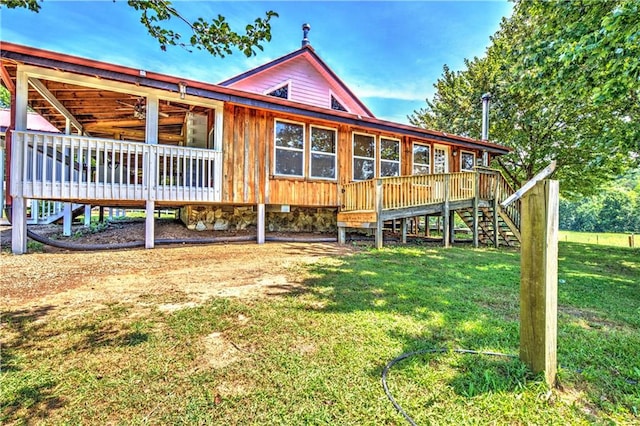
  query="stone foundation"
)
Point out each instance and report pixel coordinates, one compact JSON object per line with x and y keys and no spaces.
{"x":228,"y":218}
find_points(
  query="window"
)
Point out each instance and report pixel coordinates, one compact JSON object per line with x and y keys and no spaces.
{"x":279,"y":92}
{"x":467,"y":161}
{"x":364,"y":160}
{"x":323,"y":153}
{"x":421,"y":159}
{"x":289,"y":146}
{"x":389,"y":157}
{"x":335,"y":104}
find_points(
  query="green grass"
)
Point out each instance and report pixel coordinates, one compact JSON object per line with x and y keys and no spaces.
{"x":315,"y":356}
{"x":598,"y":238}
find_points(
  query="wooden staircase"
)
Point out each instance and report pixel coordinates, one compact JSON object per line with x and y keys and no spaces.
{"x":508,"y":234}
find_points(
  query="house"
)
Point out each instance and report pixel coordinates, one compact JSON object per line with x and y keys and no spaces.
{"x":285,"y":146}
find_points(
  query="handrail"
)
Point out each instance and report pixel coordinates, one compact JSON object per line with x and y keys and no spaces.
{"x":72,"y":167}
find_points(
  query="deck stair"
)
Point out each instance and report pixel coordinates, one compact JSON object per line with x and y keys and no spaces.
{"x":369,"y":204}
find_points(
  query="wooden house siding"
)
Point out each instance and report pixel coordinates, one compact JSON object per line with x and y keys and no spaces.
{"x":249,"y":158}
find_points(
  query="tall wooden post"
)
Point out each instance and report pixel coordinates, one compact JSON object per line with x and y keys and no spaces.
{"x":476,"y":203}
{"x":539,"y":279}
{"x":261,"y":223}
{"x":445,"y":213}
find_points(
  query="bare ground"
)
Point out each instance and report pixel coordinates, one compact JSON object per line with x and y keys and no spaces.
{"x":177,"y":275}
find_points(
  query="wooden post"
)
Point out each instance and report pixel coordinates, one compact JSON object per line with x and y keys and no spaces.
{"x":261,"y":223}
{"x":496,"y":205}
{"x":19,"y":204}
{"x":427,"y":231}
{"x":476,"y":202}
{"x":379,"y":223}
{"x":539,"y":279}
{"x":342,"y":235}
{"x":445,"y":213}
{"x":403,"y":224}
{"x":452,"y":226}
{"x":66,"y":220}
{"x":149,"y":226}
{"x":87,"y":215}
{"x":632,"y":242}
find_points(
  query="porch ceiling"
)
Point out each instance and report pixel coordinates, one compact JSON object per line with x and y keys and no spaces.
{"x":108,"y":114}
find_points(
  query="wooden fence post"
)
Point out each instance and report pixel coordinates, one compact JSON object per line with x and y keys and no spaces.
{"x":539,"y":279}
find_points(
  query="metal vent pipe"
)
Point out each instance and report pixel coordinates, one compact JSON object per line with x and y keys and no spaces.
{"x":485,"y":116}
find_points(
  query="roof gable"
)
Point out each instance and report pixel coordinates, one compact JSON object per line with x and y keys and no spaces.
{"x":308,"y":79}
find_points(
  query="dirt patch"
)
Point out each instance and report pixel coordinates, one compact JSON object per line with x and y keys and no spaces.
{"x":168,"y":277}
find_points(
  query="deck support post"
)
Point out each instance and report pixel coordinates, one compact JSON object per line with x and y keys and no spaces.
{"x":261,"y":223}
{"x":539,"y":279}
{"x":403,"y":224}
{"x":496,"y":206}
{"x":445,"y":213}
{"x":87,"y":215}
{"x":476,"y":202}
{"x":19,"y":225}
{"x":452,"y":227}
{"x":379,"y":205}
{"x":149,"y":226}
{"x":427,"y":226}
{"x":342,"y":235}
{"x":66,"y":220}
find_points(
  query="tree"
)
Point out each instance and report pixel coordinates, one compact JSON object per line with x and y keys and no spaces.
{"x":215,"y":36}
{"x":580,"y":110}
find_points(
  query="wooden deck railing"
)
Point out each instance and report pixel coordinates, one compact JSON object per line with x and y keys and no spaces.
{"x":408,"y":191}
{"x":68,"y":167}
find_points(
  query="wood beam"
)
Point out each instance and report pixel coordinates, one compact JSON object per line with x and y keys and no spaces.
{"x":45,"y":93}
{"x":6,"y":78}
{"x":131,"y":123}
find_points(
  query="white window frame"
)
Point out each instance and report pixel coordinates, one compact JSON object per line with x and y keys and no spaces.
{"x":462,"y":152}
{"x":413,"y":163}
{"x":278,"y":86}
{"x":276,"y":147}
{"x":354,"y":156}
{"x":398,"y":161}
{"x":334,"y":154}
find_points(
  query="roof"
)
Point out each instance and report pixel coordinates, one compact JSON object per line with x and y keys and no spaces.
{"x":309,"y":56}
{"x":14,"y":53}
{"x":35,"y":122}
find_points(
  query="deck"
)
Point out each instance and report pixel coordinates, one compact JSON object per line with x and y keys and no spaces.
{"x":474,"y":196}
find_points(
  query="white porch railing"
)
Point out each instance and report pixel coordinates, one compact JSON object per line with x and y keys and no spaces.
{"x":69,"y":167}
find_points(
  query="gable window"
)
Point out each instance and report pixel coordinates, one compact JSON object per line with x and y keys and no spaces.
{"x":289,"y":148}
{"x":389,"y":157}
{"x":335,"y":104}
{"x":279,"y":92}
{"x":364,"y":160}
{"x":421,"y":159}
{"x":323,"y":153}
{"x":467,"y":161}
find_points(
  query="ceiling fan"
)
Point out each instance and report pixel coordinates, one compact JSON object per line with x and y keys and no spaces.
{"x":140,"y":109}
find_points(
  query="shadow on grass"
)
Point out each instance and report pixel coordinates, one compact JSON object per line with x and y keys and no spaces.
{"x":458,"y":298}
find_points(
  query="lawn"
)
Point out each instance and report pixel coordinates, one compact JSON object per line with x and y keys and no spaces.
{"x":315,"y":355}
{"x":599,"y":238}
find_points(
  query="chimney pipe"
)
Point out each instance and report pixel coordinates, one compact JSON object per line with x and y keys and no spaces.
{"x":485,"y":116}
{"x":305,"y":32}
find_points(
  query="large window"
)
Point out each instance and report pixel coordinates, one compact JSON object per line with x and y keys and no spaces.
{"x":421,"y":159}
{"x":389,"y":157}
{"x":323,"y":153}
{"x":364,"y":157}
{"x":467,"y":161}
{"x":289,"y":146}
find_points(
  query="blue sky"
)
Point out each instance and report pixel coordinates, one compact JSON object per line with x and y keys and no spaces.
{"x":389,"y":53}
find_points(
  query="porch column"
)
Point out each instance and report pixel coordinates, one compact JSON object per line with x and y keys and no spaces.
{"x":379,"y":222}
{"x":476,"y":201}
{"x":19,"y":205}
{"x":151,"y":138}
{"x":452,"y":226}
{"x":261,"y":223}
{"x":403,"y":224}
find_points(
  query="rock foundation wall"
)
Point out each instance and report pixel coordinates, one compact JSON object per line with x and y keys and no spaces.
{"x":227,"y":218}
